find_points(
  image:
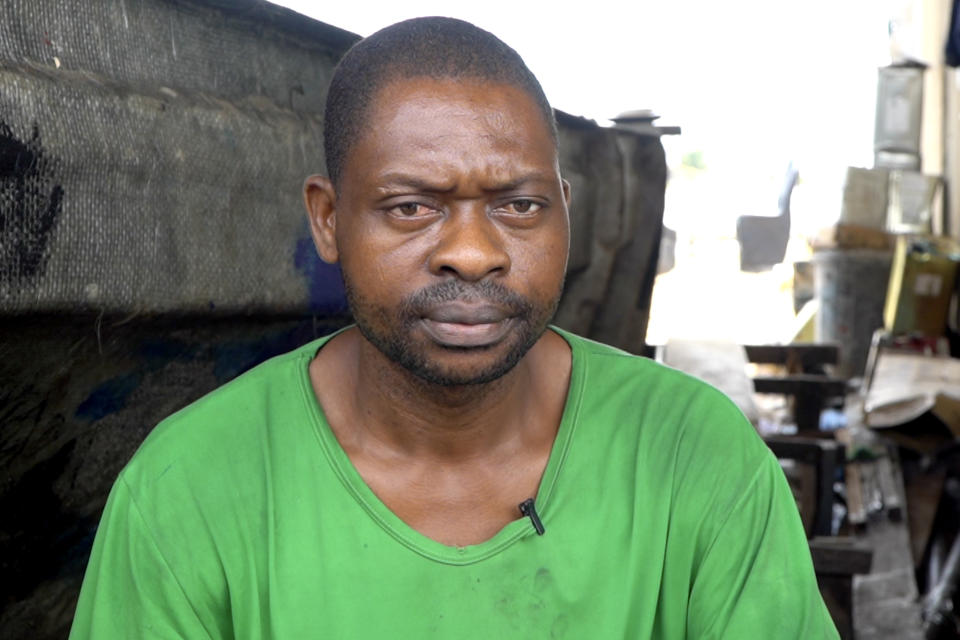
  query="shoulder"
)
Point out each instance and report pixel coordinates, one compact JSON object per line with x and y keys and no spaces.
{"x":652,"y":391}
{"x":225,"y":427}
{"x":677,"y":425}
{"x":605,"y":363}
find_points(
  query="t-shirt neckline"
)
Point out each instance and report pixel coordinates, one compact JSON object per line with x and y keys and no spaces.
{"x":400,"y":530}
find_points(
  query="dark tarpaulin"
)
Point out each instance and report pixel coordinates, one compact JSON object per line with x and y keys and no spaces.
{"x":953,"y":36}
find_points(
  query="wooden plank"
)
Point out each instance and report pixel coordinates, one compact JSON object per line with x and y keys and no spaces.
{"x":809,"y":391}
{"x":887,"y":481}
{"x":856,"y":509}
{"x":808,"y":450}
{"x":836,"y":560}
{"x":801,"y":383}
{"x":840,"y":555}
{"x":801,"y":354}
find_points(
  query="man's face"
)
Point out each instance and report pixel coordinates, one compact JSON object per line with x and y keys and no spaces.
{"x":451,"y":228}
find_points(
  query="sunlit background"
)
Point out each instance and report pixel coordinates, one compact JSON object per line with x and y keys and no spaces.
{"x":754,"y":84}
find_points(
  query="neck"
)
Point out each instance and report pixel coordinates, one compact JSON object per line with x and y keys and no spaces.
{"x":373,"y":403}
{"x":413,"y":416}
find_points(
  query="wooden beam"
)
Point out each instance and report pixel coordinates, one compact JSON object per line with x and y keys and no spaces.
{"x":824,"y":386}
{"x":840,"y":555}
{"x":803,"y":354}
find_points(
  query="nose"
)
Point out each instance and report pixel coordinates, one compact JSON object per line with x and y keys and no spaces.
{"x":470,"y":247}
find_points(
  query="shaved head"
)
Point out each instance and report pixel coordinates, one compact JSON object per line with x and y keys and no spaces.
{"x":441,"y":48}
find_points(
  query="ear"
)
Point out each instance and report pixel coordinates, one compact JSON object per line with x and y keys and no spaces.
{"x":320,"y":198}
{"x":566,"y":191}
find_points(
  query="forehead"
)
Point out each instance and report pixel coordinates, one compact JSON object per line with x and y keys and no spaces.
{"x":464,"y":125}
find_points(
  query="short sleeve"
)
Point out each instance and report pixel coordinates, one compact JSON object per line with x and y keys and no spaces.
{"x":129,"y":590}
{"x":756,"y":578}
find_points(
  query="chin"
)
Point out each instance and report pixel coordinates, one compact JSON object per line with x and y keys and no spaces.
{"x":453,"y":367}
{"x":458,"y":376}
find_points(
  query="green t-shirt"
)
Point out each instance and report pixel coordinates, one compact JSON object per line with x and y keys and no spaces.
{"x":666,"y":517}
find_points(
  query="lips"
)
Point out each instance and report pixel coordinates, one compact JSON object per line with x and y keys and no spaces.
{"x":464,"y":325}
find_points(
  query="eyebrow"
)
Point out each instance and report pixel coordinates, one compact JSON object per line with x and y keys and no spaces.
{"x":397,"y":179}
{"x":392,"y":180}
{"x":516,"y":183}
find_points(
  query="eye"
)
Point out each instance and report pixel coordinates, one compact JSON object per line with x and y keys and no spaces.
{"x":410,"y":210}
{"x":521,"y":207}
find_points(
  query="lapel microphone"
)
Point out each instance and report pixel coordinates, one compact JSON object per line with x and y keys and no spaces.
{"x":528,"y":509}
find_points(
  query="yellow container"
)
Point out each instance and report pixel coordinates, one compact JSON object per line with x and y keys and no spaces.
{"x":921,"y":284}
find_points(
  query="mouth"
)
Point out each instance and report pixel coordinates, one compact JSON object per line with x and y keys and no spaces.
{"x":462,"y":325}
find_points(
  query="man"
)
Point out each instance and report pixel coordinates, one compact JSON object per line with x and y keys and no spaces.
{"x":450,"y":466}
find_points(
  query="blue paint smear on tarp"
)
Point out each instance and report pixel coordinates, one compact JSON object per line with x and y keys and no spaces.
{"x":324,"y":282}
{"x":158,"y":353}
{"x":109,"y":397}
{"x":233,"y":358}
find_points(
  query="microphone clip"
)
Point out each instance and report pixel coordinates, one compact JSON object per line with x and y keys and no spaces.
{"x":528,"y":509}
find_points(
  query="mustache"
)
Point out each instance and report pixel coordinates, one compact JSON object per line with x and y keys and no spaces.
{"x":484,"y":291}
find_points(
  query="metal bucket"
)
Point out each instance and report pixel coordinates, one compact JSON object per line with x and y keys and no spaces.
{"x":851,"y":285}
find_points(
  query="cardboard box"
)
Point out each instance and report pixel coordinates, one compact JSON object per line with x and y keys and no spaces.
{"x":915,"y":399}
{"x":865,"y":197}
{"x":911,"y":201}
